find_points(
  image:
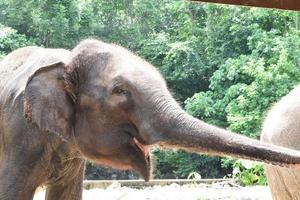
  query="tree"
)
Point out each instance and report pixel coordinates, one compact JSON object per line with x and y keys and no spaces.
{"x":11,"y":40}
{"x":245,"y":86}
{"x":49,"y":23}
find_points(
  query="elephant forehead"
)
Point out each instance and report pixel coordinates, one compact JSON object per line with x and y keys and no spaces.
{"x":134,"y":70}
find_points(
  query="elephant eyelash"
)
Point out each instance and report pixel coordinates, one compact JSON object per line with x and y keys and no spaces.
{"x":119,"y":90}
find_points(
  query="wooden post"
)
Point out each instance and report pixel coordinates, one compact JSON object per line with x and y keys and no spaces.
{"x":279,"y":4}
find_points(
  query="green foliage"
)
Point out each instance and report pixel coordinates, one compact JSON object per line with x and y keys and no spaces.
{"x":245,"y":85}
{"x":179,"y":164}
{"x":181,"y":63}
{"x":247,"y":172}
{"x":243,"y":88}
{"x":49,"y":23}
{"x":11,"y":40}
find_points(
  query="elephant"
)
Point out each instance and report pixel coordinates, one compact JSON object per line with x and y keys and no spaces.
{"x":101,"y":102}
{"x":281,"y":127}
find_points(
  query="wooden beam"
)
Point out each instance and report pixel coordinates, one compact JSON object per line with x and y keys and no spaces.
{"x":279,"y":4}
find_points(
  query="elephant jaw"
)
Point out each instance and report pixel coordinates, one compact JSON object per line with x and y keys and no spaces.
{"x":135,"y":157}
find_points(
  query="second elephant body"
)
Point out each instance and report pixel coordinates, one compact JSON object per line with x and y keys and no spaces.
{"x":282,"y":127}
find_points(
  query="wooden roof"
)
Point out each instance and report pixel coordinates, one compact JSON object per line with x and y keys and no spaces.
{"x":279,"y":4}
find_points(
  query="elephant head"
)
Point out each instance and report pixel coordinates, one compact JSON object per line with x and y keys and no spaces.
{"x":112,"y":105}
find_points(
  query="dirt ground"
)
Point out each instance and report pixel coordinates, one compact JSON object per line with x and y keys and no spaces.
{"x":176,"y":192}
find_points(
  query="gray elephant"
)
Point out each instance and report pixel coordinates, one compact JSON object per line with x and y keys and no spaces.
{"x":281,"y":127}
{"x":98,"y":102}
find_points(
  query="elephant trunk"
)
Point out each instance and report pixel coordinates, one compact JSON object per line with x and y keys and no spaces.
{"x":175,"y":128}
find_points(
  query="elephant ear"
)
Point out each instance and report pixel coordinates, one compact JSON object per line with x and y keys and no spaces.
{"x":47,"y":103}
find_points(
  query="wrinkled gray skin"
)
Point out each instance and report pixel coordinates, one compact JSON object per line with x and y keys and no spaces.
{"x":98,"y":102}
{"x":281,"y":127}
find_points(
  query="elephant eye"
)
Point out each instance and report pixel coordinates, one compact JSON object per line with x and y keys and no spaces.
{"x":118,"y":90}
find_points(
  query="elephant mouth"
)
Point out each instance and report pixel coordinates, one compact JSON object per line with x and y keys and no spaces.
{"x":143,"y":166}
{"x":143,"y":148}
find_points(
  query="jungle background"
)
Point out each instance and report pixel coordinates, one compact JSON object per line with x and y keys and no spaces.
{"x":225,"y":64}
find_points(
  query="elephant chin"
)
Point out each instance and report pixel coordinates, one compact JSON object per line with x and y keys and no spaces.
{"x":143,"y":164}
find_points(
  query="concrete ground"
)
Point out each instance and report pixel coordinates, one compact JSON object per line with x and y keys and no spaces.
{"x":175,"y":192}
